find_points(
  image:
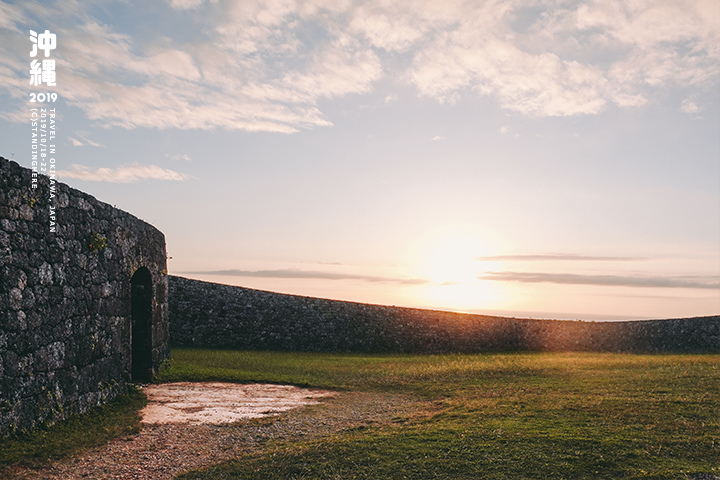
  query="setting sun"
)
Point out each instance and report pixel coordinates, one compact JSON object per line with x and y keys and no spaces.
{"x":451,"y":260}
{"x":448,"y":259}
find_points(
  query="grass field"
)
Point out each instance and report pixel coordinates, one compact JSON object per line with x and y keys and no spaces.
{"x":495,"y":416}
{"x":499,"y":416}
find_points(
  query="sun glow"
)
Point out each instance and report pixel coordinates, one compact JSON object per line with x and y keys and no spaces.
{"x":449,"y":261}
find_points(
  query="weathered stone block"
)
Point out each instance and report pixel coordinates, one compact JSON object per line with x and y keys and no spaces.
{"x":15,"y":296}
{"x":7,"y":225}
{"x":26,"y":213}
{"x":28,"y":299}
{"x":45,"y":274}
{"x":9,"y":213}
{"x":4,"y":239}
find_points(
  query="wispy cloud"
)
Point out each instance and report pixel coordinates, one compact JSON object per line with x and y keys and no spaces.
{"x":186,"y":4}
{"x":82,"y":140}
{"x":10,"y":15}
{"x":123,"y":174}
{"x":701,"y":282}
{"x":178,"y":156}
{"x":689,"y":106}
{"x":311,"y":274}
{"x":561,"y":257}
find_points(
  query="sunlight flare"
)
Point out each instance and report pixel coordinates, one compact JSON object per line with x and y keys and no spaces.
{"x":450,"y":260}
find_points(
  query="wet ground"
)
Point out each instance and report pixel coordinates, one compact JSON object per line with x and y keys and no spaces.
{"x":217,"y":403}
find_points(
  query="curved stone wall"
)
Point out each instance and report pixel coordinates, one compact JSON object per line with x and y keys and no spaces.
{"x":223,"y":316}
{"x":66,"y":301}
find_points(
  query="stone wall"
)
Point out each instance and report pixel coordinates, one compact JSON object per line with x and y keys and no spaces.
{"x":83,"y":300}
{"x":222,"y":316}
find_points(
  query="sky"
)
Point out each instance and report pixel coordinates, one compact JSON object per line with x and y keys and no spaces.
{"x":533,"y":158}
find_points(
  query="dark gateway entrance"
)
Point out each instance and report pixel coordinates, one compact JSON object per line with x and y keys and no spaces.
{"x":141,"y":301}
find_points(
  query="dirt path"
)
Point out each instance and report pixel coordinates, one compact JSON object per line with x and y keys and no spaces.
{"x":162,"y":450}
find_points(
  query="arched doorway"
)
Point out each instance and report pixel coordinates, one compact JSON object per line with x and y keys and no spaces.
{"x":141,"y":302}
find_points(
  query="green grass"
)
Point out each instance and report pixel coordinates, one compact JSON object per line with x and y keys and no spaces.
{"x":495,"y":416}
{"x":94,"y":428}
{"x":498,"y":416}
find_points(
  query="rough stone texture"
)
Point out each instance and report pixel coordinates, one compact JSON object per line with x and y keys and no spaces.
{"x":65,"y":307}
{"x":223,"y":316}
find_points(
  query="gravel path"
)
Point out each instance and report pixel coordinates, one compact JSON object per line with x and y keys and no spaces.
{"x":161,"y":451}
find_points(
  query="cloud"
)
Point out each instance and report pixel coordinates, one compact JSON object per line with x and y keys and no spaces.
{"x":700,"y":282}
{"x":667,"y":44}
{"x":268,"y":65}
{"x":17,"y":116}
{"x":561,"y":257}
{"x":688,"y":106}
{"x":344,"y":67}
{"x":124,"y":174}
{"x":387,"y":26}
{"x":532,"y":84}
{"x":292,"y":273}
{"x":571,"y":59}
{"x":10,"y":16}
{"x":83,"y":141}
{"x":437,"y":138}
{"x":186,"y":4}
{"x":119,"y":81}
{"x":176,"y":157}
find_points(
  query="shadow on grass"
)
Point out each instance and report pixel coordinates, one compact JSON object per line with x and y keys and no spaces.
{"x":119,"y":417}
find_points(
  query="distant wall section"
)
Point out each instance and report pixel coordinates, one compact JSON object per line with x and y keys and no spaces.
{"x":222,"y":316}
{"x":71,"y":300}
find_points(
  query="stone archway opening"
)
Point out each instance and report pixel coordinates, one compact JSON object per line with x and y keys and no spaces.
{"x":141,"y":307}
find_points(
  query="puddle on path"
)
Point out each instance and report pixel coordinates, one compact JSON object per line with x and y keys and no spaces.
{"x":216,"y":402}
